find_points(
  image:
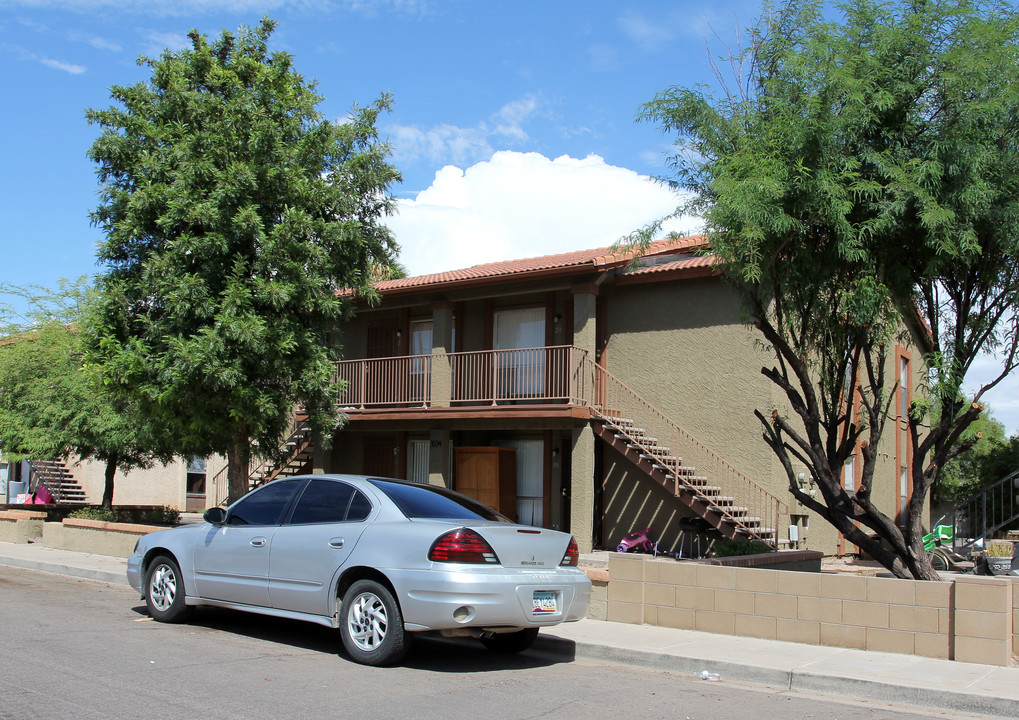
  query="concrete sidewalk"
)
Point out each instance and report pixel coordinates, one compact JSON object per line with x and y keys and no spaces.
{"x":859,"y":674}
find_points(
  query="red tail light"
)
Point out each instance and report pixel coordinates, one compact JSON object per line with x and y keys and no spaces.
{"x":572,"y":556}
{"x":462,"y":546}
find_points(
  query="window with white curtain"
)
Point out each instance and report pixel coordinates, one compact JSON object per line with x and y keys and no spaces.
{"x":521,"y":371}
{"x":420,"y":345}
{"x":530,"y":478}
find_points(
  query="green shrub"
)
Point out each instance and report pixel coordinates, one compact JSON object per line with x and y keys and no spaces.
{"x":96,"y":512}
{"x":165,"y":515}
{"x":725,"y":547}
{"x":149,"y":516}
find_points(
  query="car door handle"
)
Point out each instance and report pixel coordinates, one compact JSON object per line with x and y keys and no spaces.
{"x":258,"y":542}
{"x":336,"y":543}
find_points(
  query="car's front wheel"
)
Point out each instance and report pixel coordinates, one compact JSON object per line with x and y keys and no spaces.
{"x":512,"y":642}
{"x":164,"y":591}
{"x":371,"y":624}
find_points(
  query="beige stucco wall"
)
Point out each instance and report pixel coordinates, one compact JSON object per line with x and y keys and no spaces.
{"x":158,"y":485}
{"x":682,"y":346}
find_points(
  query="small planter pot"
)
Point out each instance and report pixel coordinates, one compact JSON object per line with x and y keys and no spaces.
{"x":999,"y":565}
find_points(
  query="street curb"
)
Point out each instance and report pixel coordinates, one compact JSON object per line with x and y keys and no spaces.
{"x":975,"y":703}
{"x":113,"y":578}
{"x":917,"y":698}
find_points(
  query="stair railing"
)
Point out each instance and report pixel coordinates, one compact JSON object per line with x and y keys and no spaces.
{"x":614,"y":400}
{"x":978,"y":517}
{"x":258,"y":472}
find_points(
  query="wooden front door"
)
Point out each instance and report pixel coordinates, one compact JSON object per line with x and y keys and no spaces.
{"x":381,"y":457}
{"x":489,"y":475}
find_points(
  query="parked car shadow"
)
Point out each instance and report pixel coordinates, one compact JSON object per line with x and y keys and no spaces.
{"x":467,"y":655}
{"x":431,"y":653}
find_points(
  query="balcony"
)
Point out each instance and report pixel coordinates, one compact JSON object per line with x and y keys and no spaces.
{"x":523,"y":381}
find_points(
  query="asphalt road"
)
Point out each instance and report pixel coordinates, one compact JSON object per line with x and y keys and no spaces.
{"x":81,"y":649}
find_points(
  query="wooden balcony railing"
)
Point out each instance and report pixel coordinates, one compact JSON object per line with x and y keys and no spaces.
{"x":489,"y":377}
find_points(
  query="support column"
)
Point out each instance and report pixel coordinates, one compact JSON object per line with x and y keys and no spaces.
{"x":582,"y":479}
{"x":582,"y":485}
{"x":585,"y":299}
{"x":442,"y":343}
{"x":438,"y":459}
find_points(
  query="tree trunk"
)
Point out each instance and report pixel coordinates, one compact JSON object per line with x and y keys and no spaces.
{"x":238,"y":456}
{"x":111,"y":470}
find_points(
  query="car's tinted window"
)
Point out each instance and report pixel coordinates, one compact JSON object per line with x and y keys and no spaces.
{"x":360,"y":507}
{"x":428,"y":501}
{"x":326,"y":501}
{"x":265,"y":506}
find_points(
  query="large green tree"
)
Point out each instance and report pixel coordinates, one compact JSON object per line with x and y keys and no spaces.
{"x":50,"y":404}
{"x":859,"y":179}
{"x":233,"y":211}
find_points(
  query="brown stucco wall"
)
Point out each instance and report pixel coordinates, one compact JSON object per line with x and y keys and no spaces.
{"x":682,"y":346}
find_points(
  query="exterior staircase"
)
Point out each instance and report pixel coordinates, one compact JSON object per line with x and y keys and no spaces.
{"x":55,"y":475}
{"x":710,"y":487}
{"x":299,"y":448}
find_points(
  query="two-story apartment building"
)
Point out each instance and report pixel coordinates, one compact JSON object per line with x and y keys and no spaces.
{"x":580,"y":392}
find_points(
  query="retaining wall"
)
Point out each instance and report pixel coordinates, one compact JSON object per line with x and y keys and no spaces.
{"x":969,"y":618}
{"x":94,"y":536}
{"x":21,"y":526}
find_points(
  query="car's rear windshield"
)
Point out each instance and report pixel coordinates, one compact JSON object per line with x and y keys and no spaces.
{"x":429,"y":501}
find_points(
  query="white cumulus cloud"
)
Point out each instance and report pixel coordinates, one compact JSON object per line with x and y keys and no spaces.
{"x":519,"y":205}
{"x":465,"y":145}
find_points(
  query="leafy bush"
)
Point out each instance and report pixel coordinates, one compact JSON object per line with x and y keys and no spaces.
{"x":165,"y":515}
{"x":725,"y":547}
{"x":96,"y":512}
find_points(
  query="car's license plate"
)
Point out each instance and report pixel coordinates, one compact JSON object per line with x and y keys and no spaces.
{"x":545,"y":602}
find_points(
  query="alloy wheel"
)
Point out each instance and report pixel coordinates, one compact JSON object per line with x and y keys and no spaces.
{"x":367,"y":621}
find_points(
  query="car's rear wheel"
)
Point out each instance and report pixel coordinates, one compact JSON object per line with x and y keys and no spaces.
{"x":164,"y":591}
{"x":512,"y":642}
{"x":372,"y":625}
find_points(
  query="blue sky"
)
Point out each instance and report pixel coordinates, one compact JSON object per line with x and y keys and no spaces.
{"x":513,"y":122}
{"x":522,"y":110}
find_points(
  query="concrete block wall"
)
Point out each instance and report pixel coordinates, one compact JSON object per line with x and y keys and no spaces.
{"x":1015,"y":619}
{"x":970,"y":619}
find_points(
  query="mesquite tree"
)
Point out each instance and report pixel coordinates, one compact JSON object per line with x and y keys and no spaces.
{"x":859,"y":179}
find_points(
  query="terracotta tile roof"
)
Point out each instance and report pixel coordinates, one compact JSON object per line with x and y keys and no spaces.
{"x":689,"y":262}
{"x":562,"y":263}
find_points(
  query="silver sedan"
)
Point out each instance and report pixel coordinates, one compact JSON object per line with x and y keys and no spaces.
{"x":380,"y":559}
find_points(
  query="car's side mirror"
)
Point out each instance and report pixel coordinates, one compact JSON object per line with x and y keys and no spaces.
{"x":215,"y":516}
